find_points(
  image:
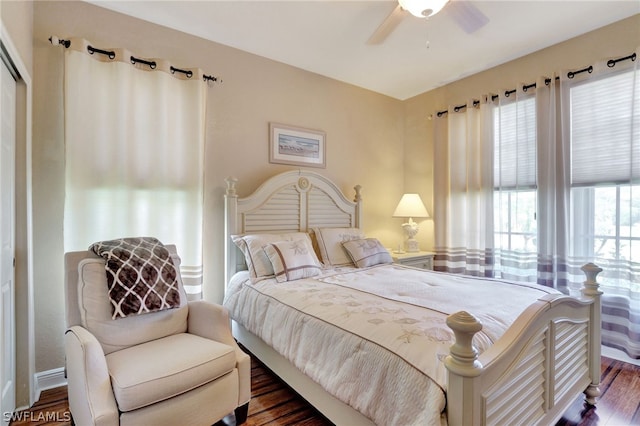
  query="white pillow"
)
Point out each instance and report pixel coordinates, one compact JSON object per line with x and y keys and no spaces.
{"x":257,"y":261}
{"x":293,"y":260}
{"x":367,"y":252}
{"x":330,"y":244}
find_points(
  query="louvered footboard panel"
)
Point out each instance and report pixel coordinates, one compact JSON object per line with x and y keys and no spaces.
{"x":570,"y":357}
{"x":519,"y":395}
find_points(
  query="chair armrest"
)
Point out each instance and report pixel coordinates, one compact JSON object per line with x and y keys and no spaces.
{"x":91,"y":398}
{"x":211,"y":321}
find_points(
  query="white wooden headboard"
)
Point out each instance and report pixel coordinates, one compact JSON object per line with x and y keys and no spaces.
{"x":297,"y":200}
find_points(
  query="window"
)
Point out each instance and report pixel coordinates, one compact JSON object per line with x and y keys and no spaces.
{"x":534,"y":187}
{"x":515,"y":224}
{"x":515,"y":187}
{"x":607,"y":222}
{"x":605,"y":173}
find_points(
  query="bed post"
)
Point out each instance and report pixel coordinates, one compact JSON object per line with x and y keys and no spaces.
{"x":591,"y":290}
{"x":463,"y":366}
{"x":358,"y":200}
{"x":230,"y":227}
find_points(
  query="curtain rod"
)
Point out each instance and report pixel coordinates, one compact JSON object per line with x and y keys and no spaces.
{"x":111,"y":55}
{"x":610,"y":63}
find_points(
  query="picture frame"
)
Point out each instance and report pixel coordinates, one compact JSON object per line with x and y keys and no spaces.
{"x":296,"y":146}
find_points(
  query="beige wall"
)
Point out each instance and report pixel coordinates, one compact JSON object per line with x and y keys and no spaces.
{"x":363,"y":129}
{"x":17,"y":20}
{"x":381,"y":143}
{"x":616,"y":40}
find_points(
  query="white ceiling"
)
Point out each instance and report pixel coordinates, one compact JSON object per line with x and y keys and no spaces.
{"x":329,"y":37}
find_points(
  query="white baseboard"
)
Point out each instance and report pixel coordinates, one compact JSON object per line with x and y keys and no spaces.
{"x":49,"y":379}
{"x":619,"y":355}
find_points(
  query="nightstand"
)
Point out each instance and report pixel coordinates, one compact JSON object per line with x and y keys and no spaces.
{"x":420,"y":259}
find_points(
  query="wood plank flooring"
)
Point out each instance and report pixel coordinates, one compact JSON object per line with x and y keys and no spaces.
{"x":273,"y":403}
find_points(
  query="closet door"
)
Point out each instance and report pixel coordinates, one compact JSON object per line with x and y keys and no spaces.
{"x":7,"y":241}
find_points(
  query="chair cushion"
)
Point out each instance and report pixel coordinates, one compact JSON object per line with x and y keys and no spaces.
{"x":118,"y":334}
{"x":154,"y":371}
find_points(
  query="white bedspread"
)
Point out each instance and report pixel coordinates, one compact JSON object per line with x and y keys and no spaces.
{"x":376,"y":338}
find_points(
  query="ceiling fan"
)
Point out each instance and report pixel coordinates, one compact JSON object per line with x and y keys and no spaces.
{"x":464,"y":12}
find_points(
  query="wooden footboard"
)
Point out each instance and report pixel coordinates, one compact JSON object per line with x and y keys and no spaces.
{"x":536,"y":370}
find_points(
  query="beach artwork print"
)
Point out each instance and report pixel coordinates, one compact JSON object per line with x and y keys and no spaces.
{"x":296,"y":146}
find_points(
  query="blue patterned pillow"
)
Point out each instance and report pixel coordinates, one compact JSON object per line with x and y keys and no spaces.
{"x":367,"y":252}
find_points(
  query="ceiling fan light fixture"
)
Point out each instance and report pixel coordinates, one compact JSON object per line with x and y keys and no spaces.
{"x":423,"y":8}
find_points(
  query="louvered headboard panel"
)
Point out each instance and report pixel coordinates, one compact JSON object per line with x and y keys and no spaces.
{"x":292,"y":201}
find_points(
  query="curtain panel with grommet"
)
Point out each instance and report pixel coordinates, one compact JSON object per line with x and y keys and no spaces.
{"x":601,"y":132}
{"x":543,"y":179}
{"x":134,"y":152}
{"x":463,"y":198}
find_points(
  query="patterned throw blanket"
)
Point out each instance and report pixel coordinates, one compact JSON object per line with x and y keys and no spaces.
{"x":140,"y":275}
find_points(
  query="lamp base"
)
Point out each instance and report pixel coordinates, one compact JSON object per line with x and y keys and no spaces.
{"x":412,"y":246}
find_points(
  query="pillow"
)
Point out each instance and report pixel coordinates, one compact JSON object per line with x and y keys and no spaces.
{"x":367,"y":252}
{"x":330,"y":244}
{"x":293,"y":260}
{"x":257,"y":261}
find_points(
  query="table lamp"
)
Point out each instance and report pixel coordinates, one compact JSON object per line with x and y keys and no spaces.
{"x":411,"y":206}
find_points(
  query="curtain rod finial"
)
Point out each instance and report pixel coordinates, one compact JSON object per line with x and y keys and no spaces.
{"x":55,"y":40}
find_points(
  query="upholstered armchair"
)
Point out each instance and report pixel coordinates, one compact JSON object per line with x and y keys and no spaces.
{"x":172,"y":366}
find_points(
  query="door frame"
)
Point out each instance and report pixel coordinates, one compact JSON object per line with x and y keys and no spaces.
{"x":8,"y":146}
{"x":25,"y":118}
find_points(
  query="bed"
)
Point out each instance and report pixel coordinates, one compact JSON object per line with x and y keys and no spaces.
{"x":364,"y":351}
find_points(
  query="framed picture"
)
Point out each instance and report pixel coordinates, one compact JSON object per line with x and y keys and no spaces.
{"x":296,"y":146}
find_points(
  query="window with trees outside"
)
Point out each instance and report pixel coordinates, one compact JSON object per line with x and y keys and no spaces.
{"x":605,"y":173}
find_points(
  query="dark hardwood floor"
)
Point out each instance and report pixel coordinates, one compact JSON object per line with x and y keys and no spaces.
{"x":275,"y":404}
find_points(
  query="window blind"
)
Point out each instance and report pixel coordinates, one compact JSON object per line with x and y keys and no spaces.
{"x":515,"y":145}
{"x":605,"y":130}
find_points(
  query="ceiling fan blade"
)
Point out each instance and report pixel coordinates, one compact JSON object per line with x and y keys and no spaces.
{"x":387,"y":26}
{"x":467,"y":15}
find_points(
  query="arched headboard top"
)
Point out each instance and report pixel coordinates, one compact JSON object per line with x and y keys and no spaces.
{"x":297,"y":200}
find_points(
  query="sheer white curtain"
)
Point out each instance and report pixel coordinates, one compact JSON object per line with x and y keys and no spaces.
{"x":134,"y":148}
{"x":530,"y":189}
{"x":601,"y":131}
{"x":562,"y":162}
{"x":515,"y":186}
{"x":553,"y":177}
{"x":463,"y":190}
{"x":488,"y":201}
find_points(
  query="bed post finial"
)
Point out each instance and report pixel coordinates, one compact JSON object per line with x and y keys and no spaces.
{"x":591,"y":286}
{"x":358,"y":196}
{"x":231,"y":185}
{"x":463,"y":358}
{"x":463,"y":367}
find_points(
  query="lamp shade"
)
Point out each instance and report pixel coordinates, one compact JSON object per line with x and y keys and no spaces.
{"x":423,"y":8}
{"x":411,"y":205}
